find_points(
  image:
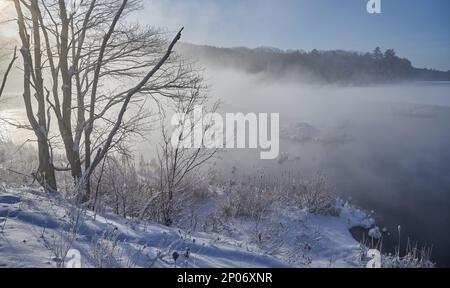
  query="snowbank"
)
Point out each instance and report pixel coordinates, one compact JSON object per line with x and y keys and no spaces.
{"x":37,"y":230}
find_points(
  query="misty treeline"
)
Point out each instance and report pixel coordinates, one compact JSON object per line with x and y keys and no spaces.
{"x":336,"y":66}
{"x":92,"y":80}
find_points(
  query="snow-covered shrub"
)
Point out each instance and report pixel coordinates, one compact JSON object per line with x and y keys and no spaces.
{"x":134,"y":191}
{"x":105,"y":250}
{"x":248,"y":197}
{"x":120,"y":187}
{"x":375,"y":233}
{"x":61,"y":240}
{"x":17,"y":162}
{"x":314,"y":195}
{"x":414,"y":258}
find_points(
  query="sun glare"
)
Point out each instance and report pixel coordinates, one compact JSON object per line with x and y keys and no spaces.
{"x":2,"y":4}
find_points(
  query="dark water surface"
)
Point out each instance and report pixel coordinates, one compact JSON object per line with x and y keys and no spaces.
{"x":385,"y":148}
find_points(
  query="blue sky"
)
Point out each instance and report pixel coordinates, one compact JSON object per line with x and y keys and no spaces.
{"x":416,"y":29}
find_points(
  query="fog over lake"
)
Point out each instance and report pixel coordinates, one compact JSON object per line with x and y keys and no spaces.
{"x":386,"y":147}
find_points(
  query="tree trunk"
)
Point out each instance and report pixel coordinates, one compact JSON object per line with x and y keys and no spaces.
{"x":65,"y":124}
{"x":46,"y":170}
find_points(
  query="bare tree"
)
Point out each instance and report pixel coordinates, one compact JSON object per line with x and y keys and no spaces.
{"x":106,"y":146}
{"x":33,"y":79}
{"x":86,"y":57}
{"x":176,"y":162}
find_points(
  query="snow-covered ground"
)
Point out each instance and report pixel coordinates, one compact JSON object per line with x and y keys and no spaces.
{"x":37,"y":230}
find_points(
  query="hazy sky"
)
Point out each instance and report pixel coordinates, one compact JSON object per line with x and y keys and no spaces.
{"x":416,"y":29}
